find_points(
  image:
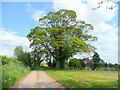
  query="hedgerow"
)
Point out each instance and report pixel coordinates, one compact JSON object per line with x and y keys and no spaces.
{"x":12,"y":71}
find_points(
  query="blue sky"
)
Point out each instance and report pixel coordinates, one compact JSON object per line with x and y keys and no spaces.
{"x":19,"y":17}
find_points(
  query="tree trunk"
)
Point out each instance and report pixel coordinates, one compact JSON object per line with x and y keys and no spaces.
{"x":49,"y":63}
{"x":62,"y":63}
{"x":57,"y":63}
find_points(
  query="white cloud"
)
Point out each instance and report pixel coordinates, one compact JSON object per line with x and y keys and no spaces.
{"x":35,"y":14}
{"x":107,"y":44}
{"x":84,"y":11}
{"x":8,"y":42}
{"x":29,"y":7}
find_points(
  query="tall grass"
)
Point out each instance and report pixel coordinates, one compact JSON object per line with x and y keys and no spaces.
{"x":12,"y":74}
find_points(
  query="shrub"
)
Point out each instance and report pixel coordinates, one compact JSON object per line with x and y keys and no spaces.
{"x":74,"y":63}
{"x":8,"y":61}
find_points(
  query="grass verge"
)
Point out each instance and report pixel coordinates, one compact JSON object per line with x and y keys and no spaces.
{"x":85,"y":79}
{"x":12,"y":74}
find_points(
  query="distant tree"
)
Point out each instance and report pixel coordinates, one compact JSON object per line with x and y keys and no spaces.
{"x":101,"y":64}
{"x":110,"y":65}
{"x":20,"y":55}
{"x":74,"y":63}
{"x":18,"y":52}
{"x":106,"y":64}
{"x":116,"y":66}
{"x":26,"y":59}
{"x":61,"y":35}
{"x":96,"y":60}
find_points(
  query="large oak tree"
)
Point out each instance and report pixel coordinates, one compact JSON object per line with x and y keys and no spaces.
{"x":61,"y":36}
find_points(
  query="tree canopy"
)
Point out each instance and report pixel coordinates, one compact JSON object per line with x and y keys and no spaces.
{"x":74,"y":63}
{"x":60,"y":35}
{"x":21,"y":55}
{"x":96,"y":60}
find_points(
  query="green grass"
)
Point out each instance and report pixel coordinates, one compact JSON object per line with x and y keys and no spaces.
{"x":85,"y":79}
{"x":37,"y":75}
{"x":12,"y":74}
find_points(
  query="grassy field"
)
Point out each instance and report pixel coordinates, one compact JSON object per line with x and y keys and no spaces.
{"x":85,"y":79}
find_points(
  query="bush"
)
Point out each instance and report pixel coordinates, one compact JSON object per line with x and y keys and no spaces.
{"x":9,"y":61}
{"x":74,"y":63}
{"x":11,"y":74}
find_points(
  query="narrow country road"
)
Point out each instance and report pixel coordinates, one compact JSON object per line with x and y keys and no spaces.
{"x":37,"y":79}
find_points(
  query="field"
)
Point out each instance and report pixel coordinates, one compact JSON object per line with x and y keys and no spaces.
{"x":85,"y":79}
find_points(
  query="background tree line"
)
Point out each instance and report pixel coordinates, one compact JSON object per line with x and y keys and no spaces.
{"x":33,"y":60}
